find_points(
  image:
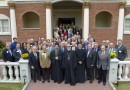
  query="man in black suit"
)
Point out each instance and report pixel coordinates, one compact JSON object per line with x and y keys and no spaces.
{"x":121,"y":50}
{"x":90,"y":62}
{"x":17,"y":52}
{"x":7,"y":56}
{"x":96,"y":49}
{"x":35,"y":64}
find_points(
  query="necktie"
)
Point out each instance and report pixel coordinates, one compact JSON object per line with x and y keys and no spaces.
{"x":88,"y":53}
{"x":10,"y":52}
{"x":35,"y":54}
{"x":103,"y":56}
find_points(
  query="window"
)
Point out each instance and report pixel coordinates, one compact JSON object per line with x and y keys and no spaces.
{"x":103,"y":19}
{"x":4,"y":25}
{"x":31,"y":20}
{"x":127,"y":25}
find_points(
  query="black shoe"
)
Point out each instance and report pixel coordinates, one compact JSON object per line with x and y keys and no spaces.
{"x":91,"y":81}
{"x":104,"y":84}
{"x":34,"y":81}
{"x":43,"y":81}
{"x":48,"y":81}
{"x":99,"y":81}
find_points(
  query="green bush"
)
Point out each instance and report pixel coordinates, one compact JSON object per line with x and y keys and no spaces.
{"x":2,"y":46}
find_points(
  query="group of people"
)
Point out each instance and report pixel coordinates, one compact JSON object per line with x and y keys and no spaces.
{"x":73,"y":59}
{"x":67,"y":31}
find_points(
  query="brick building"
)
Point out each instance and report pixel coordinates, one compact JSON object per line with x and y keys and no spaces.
{"x":105,"y":19}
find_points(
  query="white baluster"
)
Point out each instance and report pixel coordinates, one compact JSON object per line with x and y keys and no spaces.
{"x":126,"y":72}
{"x":16,"y":72}
{"x":120,"y":71}
{"x":10,"y":72}
{"x":4,"y":73}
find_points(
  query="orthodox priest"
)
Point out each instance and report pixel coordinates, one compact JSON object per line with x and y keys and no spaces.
{"x":56,"y":61}
{"x":80,"y":58}
{"x":69,"y":63}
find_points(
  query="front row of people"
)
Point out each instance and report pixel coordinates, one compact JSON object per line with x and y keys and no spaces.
{"x":69,"y":65}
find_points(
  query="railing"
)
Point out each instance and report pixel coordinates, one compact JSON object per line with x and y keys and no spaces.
{"x":124,"y":70}
{"x":15,"y":72}
{"x":10,"y":68}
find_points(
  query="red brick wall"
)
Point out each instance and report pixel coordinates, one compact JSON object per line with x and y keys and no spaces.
{"x":126,"y":37}
{"x":5,"y":11}
{"x":104,"y":33}
{"x":38,"y":8}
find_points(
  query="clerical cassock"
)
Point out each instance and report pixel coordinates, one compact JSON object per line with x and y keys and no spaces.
{"x":70,"y":64}
{"x":56,"y":61}
{"x":80,"y":58}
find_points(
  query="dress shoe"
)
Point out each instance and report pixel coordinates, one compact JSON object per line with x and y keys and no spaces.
{"x":91,"y":81}
{"x":104,"y":84}
{"x":43,"y":81}
{"x":99,"y":81}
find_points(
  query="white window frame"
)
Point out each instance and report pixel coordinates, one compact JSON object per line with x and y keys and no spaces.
{"x":4,"y":17}
{"x":126,"y":17}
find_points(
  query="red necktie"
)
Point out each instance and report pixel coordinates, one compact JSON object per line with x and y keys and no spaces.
{"x":103,"y":56}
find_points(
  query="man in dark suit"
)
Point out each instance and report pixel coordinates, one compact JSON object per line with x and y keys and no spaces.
{"x":90,"y":62}
{"x":96,"y":49}
{"x":121,"y":50}
{"x":7,"y":56}
{"x":35,"y":64}
{"x":17,"y":52}
{"x":103,"y":64}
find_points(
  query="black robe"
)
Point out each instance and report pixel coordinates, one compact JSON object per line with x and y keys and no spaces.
{"x":69,"y":63}
{"x":80,"y":71}
{"x":56,"y":71}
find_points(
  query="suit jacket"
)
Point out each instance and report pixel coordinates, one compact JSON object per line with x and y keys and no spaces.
{"x":122,"y":52}
{"x":96,"y":54}
{"x":33,"y":61}
{"x":104,"y":63}
{"x":44,"y":59}
{"x":17,"y":54}
{"x":85,"y":46}
{"x":90,"y":58}
{"x":6,"y":56}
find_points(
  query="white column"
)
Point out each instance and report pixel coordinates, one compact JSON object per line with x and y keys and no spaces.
{"x":48,"y":21}
{"x":10,"y":72}
{"x":13,"y":19}
{"x":86,"y":21}
{"x":4,"y":73}
{"x":121,"y":21}
{"x":16,"y":73}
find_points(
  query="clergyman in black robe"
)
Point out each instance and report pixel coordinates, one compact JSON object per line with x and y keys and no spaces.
{"x":80,"y":58}
{"x":56,"y":61}
{"x":69,"y":63}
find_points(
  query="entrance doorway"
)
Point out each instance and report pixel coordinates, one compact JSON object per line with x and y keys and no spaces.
{"x":66,"y":21}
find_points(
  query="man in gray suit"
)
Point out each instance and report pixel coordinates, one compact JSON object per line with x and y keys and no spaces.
{"x":103,"y":64}
{"x":113,"y":49}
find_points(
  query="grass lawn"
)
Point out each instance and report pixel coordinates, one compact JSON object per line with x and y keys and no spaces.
{"x":11,"y":86}
{"x":123,"y":86}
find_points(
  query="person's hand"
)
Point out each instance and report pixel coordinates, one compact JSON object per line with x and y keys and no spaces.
{"x":56,"y":58}
{"x":92,"y":65}
{"x":32,"y":67}
{"x":80,"y":62}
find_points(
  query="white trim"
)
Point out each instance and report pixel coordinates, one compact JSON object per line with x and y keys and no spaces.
{"x":126,"y":32}
{"x":4,"y":17}
{"x":55,"y":1}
